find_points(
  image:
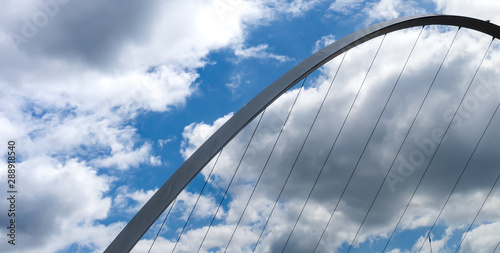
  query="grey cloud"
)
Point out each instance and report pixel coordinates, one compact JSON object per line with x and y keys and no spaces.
{"x":410,"y":164}
{"x":92,"y":32}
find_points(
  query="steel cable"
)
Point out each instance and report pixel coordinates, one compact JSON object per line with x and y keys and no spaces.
{"x":317,"y":178}
{"x":196,"y":203}
{"x":232,"y":178}
{"x":477,"y":214}
{"x":294,"y":163}
{"x":265,"y":165}
{"x":336,"y":138}
{"x":373,"y":131}
{"x":411,"y":127}
{"x":163,"y":223}
{"x":459,"y":106}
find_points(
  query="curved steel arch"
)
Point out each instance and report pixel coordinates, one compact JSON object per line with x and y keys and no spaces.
{"x":141,"y":222}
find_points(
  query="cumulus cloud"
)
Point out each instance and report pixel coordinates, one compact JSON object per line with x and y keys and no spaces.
{"x":345,"y":6}
{"x":196,"y":134}
{"x":323,"y":42}
{"x":481,"y":239}
{"x":76,"y":75}
{"x":371,"y":163}
{"x":482,"y":9}
{"x":376,"y":11}
{"x":258,"y":52}
{"x":389,"y":9}
{"x":139,"y":198}
{"x":58,"y":199}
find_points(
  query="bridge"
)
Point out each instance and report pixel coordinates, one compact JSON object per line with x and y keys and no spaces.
{"x":391,"y":129}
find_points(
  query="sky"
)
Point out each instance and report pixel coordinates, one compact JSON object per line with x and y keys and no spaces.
{"x":106,"y":99}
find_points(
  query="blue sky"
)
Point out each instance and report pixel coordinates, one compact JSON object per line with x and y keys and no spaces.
{"x":107,"y":99}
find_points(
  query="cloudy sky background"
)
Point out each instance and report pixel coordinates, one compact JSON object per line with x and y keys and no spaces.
{"x":106,"y":99}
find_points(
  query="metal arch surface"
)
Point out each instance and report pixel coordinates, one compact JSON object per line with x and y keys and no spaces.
{"x":141,"y":222}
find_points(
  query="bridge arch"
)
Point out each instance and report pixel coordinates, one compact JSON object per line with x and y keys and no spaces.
{"x":141,"y":222}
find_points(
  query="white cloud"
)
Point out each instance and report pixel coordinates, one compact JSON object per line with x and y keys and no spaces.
{"x":389,"y":9}
{"x":76,"y":74}
{"x":258,"y":52}
{"x":394,"y":251}
{"x":345,"y":6}
{"x":205,"y":207}
{"x":55,"y":200}
{"x":377,"y":11}
{"x":484,"y":238}
{"x":234,"y":84}
{"x":451,"y":83}
{"x":438,"y":245}
{"x":482,"y":9}
{"x":296,"y":7}
{"x":125,"y":158}
{"x":70,"y":90}
{"x":155,"y":160}
{"x":323,"y":42}
{"x":196,"y":134}
{"x":124,"y":196}
{"x":162,"y":142}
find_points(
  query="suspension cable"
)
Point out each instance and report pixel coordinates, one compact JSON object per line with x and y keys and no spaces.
{"x":413,"y":123}
{"x":336,"y":138}
{"x":232,"y":178}
{"x":466,"y":92}
{"x":373,"y":131}
{"x":495,"y":249}
{"x":477,"y":214}
{"x":265,"y":165}
{"x":163,"y":223}
{"x":196,"y":203}
{"x":317,"y":178}
{"x":294,"y":163}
